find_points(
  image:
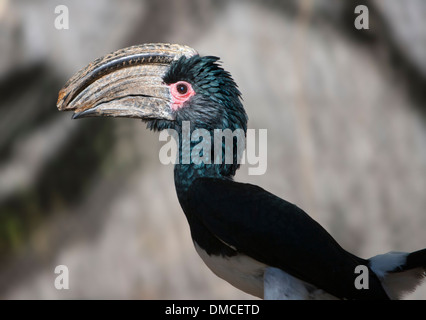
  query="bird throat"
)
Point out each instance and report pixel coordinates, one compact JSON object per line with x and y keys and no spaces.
{"x":206,"y":153}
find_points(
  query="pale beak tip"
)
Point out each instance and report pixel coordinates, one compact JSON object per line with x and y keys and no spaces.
{"x":76,"y":115}
{"x":83,"y":114}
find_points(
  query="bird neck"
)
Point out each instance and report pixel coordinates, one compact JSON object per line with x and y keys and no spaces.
{"x":185,"y":174}
{"x":198,"y":157}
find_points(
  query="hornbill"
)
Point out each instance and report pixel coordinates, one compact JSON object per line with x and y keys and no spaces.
{"x":256,"y":241}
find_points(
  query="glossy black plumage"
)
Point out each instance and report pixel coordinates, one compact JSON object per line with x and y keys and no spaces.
{"x":276,"y":233}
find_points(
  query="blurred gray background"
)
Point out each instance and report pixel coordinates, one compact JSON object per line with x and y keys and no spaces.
{"x":344,"y":109}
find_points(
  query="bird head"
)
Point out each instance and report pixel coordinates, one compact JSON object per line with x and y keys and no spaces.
{"x":162,"y":84}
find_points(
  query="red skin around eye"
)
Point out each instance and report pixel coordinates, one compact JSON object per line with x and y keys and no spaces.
{"x":179,"y":99}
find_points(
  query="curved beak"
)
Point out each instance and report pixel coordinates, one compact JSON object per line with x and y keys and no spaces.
{"x":126,"y":83}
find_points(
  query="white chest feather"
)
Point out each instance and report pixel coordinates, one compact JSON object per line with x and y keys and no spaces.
{"x":258,"y":279}
{"x":241,"y":271}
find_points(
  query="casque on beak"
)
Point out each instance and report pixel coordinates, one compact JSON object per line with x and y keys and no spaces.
{"x":126,"y":83}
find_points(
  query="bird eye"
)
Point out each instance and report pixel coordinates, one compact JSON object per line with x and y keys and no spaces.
{"x":182,"y":88}
{"x":180,"y":92}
